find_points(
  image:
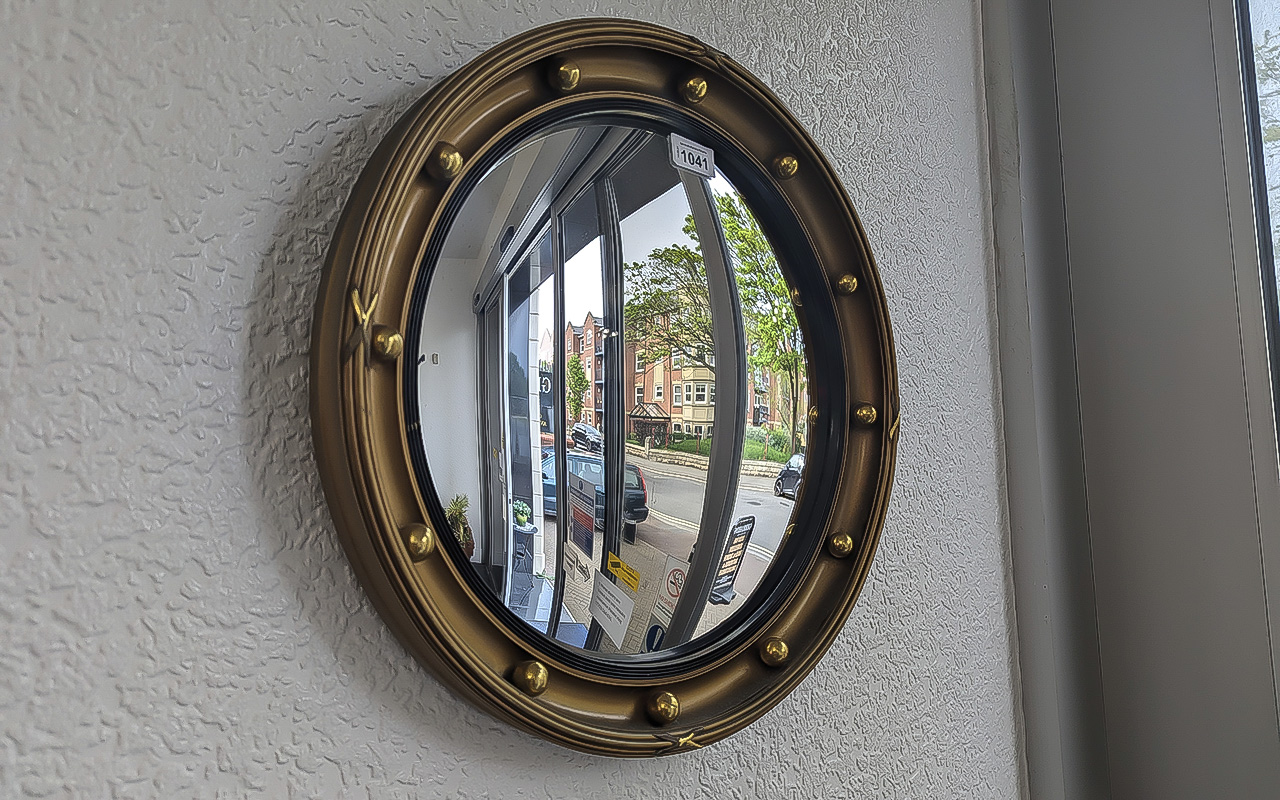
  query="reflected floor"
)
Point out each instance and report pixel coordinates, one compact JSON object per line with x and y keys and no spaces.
{"x":536,"y":610}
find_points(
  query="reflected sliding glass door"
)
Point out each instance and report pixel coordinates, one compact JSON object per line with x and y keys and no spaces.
{"x":614,"y":328}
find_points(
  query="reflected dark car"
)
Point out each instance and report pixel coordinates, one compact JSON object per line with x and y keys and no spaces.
{"x":788,"y":482}
{"x":587,"y":438}
{"x":635,"y":495}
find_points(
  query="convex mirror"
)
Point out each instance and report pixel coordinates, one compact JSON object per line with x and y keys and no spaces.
{"x":604,"y":398}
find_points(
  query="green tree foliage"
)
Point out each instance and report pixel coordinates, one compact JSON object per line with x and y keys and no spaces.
{"x":1266,"y":63}
{"x":668,"y":309}
{"x":767,"y":311}
{"x":576,"y":377}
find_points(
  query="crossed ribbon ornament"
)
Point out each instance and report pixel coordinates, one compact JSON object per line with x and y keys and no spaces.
{"x":361,"y":335}
{"x":677,"y":743}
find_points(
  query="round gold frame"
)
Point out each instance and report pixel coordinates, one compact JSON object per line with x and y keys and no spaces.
{"x":358,"y":419}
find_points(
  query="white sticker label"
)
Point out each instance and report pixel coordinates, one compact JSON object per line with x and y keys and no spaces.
{"x":611,"y":607}
{"x":692,"y":157}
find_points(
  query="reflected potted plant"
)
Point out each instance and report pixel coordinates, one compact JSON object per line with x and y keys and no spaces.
{"x":456,"y":515}
{"x":521,"y":511}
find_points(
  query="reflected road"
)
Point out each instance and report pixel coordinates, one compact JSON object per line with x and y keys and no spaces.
{"x":675,"y":506}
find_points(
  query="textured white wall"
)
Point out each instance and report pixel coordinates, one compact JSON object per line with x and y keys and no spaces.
{"x":176,"y":617}
{"x":449,"y":330}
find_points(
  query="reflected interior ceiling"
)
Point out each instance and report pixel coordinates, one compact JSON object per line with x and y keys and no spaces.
{"x":510,"y":189}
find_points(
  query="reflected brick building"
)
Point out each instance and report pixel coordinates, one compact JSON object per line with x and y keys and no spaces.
{"x":674,"y":394}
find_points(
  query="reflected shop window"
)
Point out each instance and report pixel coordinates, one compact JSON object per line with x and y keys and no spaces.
{"x":612,"y":379}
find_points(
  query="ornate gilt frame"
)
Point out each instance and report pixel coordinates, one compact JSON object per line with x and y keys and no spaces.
{"x":386,"y":522}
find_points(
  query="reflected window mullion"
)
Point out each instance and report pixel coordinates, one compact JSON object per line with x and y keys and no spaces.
{"x":614,"y":438}
{"x":726,"y":448}
{"x":558,"y":432}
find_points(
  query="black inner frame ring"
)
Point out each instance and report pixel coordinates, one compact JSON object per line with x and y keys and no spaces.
{"x":817,"y":315}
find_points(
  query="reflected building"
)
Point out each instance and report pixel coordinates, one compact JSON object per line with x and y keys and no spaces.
{"x":586,"y":342}
{"x":676,"y":394}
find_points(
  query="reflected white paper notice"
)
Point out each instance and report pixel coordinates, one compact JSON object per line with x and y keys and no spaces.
{"x":611,"y":607}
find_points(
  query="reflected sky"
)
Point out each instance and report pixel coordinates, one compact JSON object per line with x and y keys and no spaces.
{"x":654,"y":229}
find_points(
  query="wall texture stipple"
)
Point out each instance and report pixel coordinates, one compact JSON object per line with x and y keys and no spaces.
{"x":176,"y":617}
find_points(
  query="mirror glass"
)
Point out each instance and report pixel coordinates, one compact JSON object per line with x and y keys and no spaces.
{"x":611,"y":389}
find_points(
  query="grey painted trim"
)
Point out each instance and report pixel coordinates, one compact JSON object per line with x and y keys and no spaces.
{"x":615,"y":412}
{"x":493,"y":477}
{"x":1059,"y":666}
{"x":1165,"y":376}
{"x":1250,"y":308}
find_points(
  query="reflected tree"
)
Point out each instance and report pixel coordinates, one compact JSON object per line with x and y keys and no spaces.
{"x":767,"y":310}
{"x":1266,"y":61}
{"x":577,"y":385}
{"x":668,"y":308}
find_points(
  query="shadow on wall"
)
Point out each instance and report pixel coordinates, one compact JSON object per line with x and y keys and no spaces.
{"x":309,"y":558}
{"x":369,"y":665}
{"x":370,"y":668}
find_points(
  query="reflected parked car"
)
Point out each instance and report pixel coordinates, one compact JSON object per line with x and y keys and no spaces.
{"x":788,"y":482}
{"x":635,"y":494}
{"x":585,"y":437}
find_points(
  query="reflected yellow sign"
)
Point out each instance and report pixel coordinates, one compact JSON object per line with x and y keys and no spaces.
{"x":625,"y":573}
